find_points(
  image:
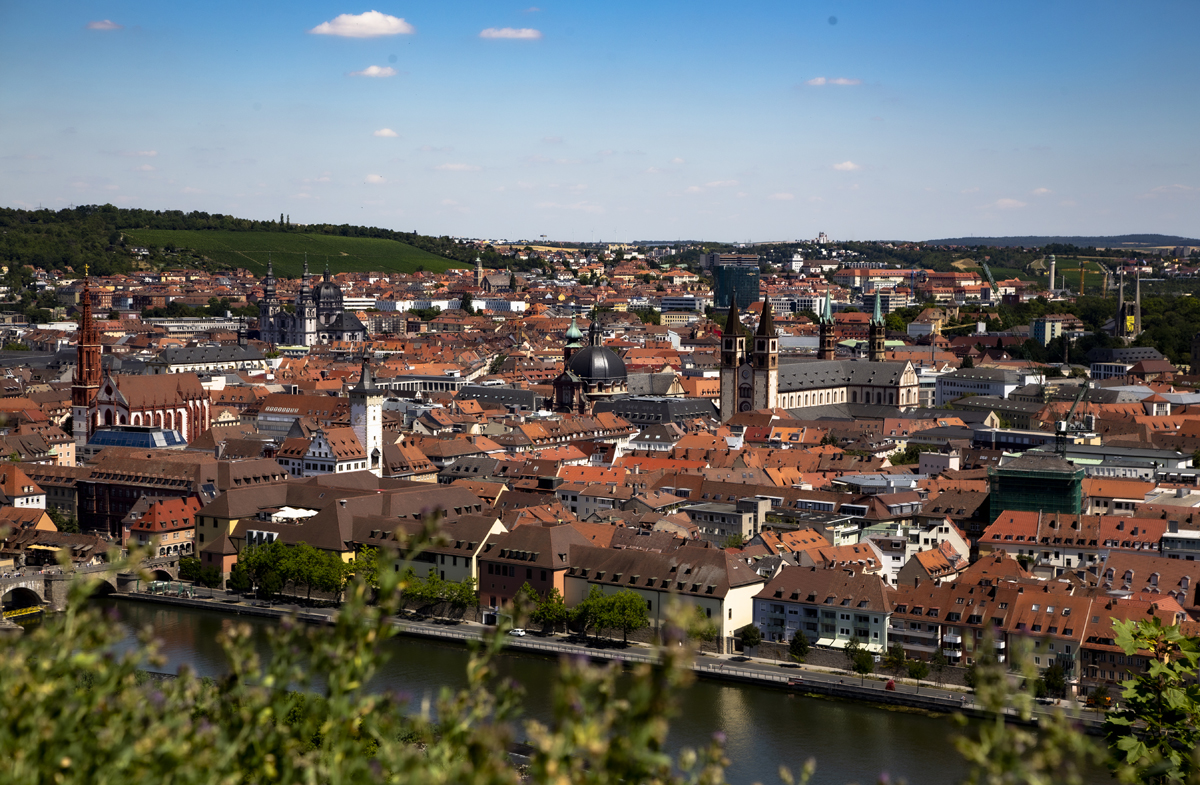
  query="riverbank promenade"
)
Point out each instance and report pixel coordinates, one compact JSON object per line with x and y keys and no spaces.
{"x":795,"y":677}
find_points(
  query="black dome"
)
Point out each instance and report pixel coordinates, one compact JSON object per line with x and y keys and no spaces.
{"x":597,"y":364}
{"x":328,"y":293}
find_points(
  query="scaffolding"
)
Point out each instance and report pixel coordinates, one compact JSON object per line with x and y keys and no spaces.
{"x":1035,"y":490}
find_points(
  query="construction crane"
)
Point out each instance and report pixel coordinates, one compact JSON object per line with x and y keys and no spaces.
{"x":1082,"y":276}
{"x":1064,"y":426}
{"x":991,"y":280}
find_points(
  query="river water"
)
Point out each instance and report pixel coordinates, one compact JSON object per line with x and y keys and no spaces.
{"x":764,"y":727}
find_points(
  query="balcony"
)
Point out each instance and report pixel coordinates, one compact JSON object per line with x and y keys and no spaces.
{"x":952,"y":654}
{"x":1000,"y":645}
{"x":952,"y":637}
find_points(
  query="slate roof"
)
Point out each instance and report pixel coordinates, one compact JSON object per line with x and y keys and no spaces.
{"x":801,"y":374}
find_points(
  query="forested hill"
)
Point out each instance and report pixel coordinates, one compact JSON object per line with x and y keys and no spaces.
{"x":1130,"y":241}
{"x":95,"y":235}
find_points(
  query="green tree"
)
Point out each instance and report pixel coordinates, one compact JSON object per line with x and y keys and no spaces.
{"x":918,"y":670}
{"x":798,"y":648}
{"x":589,"y":611}
{"x":864,"y":663}
{"x":551,"y":611}
{"x":239,"y":578}
{"x":625,"y":611}
{"x":968,"y":362}
{"x":733,"y":541}
{"x":61,"y":522}
{"x":1055,"y":679}
{"x":701,"y":627}
{"x":189,"y":568}
{"x":751,"y":636}
{"x":895,"y":660}
{"x":853,"y":647}
{"x":1154,"y":734}
{"x":465,"y":302}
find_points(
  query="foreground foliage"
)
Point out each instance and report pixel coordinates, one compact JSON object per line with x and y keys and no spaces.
{"x":74,"y":712}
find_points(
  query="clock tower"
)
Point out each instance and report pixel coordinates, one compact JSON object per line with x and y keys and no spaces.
{"x":766,"y":362}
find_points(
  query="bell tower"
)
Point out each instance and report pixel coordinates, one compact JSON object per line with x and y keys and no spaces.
{"x":366,"y":418}
{"x":87,"y":368}
{"x":828,"y":347}
{"x":733,"y":354}
{"x":875,"y":333}
{"x":766,"y":361}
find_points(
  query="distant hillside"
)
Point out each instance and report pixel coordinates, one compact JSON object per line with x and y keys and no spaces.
{"x":250,"y":249}
{"x":100,"y":236}
{"x":1131,"y":241}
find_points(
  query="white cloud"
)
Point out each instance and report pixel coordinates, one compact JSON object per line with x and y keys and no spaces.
{"x":322,"y":179}
{"x":693,"y":189}
{"x":653,"y":170}
{"x":449,"y":203}
{"x":522,"y":33}
{"x":1041,"y":191}
{"x":839,"y":81}
{"x":846,"y":166}
{"x":372,"y":24}
{"x":375,"y":179}
{"x":677,"y":161}
{"x":457,"y":168}
{"x":386,"y":133}
{"x":533,"y":9}
{"x":191,"y":190}
{"x":552,"y":139}
{"x":972,"y":190}
{"x":1169,"y":190}
{"x":425,"y":148}
{"x":144,"y":168}
{"x":1007,"y":204}
{"x":781,"y":197}
{"x":375,"y":71}
{"x":104,"y":24}
{"x":721,"y":184}
{"x":138,"y":154}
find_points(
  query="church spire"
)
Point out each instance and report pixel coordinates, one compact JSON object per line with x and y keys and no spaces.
{"x":733,"y":322}
{"x":827,"y":312}
{"x":877,"y":316}
{"x":327,"y":275}
{"x":765,"y":326}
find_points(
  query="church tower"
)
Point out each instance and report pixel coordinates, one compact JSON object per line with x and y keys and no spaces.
{"x":733,"y":354}
{"x":766,"y":362}
{"x":366,"y":418}
{"x":876,"y":333}
{"x":87,"y":369}
{"x":269,"y":308}
{"x":306,"y":311}
{"x":478,"y":272}
{"x":828,"y":346}
{"x":574,"y":338}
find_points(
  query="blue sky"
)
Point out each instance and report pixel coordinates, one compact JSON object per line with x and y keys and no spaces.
{"x":615,"y":120}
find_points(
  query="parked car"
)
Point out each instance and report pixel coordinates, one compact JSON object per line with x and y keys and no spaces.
{"x":520,"y":633}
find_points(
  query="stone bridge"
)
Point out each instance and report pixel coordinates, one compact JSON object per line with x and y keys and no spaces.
{"x":49,"y":587}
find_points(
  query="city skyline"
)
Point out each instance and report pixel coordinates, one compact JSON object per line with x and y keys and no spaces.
{"x":612,"y":122}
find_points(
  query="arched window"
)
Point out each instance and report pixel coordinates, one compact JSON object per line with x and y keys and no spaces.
{"x":854,"y":397}
{"x":137,"y":419}
{"x":108,"y":417}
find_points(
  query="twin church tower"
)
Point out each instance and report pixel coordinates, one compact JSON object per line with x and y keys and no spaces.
{"x":750,"y":376}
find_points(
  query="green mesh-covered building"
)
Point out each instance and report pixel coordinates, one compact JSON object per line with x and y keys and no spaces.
{"x":1036,"y":481}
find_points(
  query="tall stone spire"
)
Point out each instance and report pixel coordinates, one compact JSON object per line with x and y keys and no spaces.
{"x":733,"y":322}
{"x":875,"y":333}
{"x":766,"y":327}
{"x":87,"y":367}
{"x":827,"y":350}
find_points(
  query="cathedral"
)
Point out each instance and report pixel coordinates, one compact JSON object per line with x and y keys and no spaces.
{"x":752,"y":377}
{"x":319,"y":316}
{"x":174,"y":401}
{"x":592,"y":372}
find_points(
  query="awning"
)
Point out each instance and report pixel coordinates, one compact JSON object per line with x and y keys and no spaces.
{"x":43,"y":548}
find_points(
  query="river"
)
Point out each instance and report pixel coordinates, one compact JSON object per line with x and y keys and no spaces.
{"x":764,"y":727}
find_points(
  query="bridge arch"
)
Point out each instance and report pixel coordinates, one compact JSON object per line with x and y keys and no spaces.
{"x":20,"y":597}
{"x":161,"y":575}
